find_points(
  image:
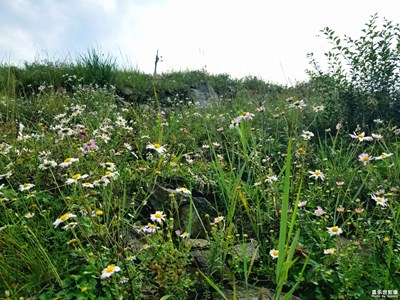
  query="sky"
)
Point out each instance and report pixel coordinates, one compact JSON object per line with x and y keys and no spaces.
{"x":267,"y":39}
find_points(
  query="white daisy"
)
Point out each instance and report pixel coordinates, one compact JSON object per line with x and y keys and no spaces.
{"x":63,"y":218}
{"x":111,"y":269}
{"x":158,"y":216}
{"x":160,"y":149}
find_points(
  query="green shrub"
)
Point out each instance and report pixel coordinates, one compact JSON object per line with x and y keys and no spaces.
{"x":363,"y":78}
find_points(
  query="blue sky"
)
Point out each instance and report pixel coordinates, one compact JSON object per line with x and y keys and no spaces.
{"x":268,"y":39}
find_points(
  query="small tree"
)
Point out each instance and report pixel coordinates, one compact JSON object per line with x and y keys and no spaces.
{"x":362,"y":82}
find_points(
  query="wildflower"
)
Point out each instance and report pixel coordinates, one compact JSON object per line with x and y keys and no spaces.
{"x":359,"y":210}
{"x":274,"y":253}
{"x":99,"y":212}
{"x":121,"y":122}
{"x":302,"y":204}
{"x":340,"y":209}
{"x":90,"y":145}
{"x":300,"y":151}
{"x":26,"y":186}
{"x":47,"y":164}
{"x":70,"y":225}
{"x":105,"y":137}
{"x":335,"y":230}
{"x":145,"y":246}
{"x":379,"y":200}
{"x":29,"y":215}
{"x":386,"y":239}
{"x":339,"y":183}
{"x":361,"y":137}
{"x":109,"y":174}
{"x":244,"y":116}
{"x":218,"y":219}
{"x":183,"y":190}
{"x":185,"y":235}
{"x":84,"y":289}
{"x":383,"y":156}
{"x":63,"y":218}
{"x":157,"y":147}
{"x":103,"y":181}
{"x":75,"y":178}
{"x":261,"y":109}
{"x":88,"y":185}
{"x":271,"y":178}
{"x":319,"y":211}
{"x":329,"y":251}
{"x":316,"y":174}
{"x":307,"y":135}
{"x":130,"y":258}
{"x":338,"y":126}
{"x":150,"y":228}
{"x":376,"y":136}
{"x":109,"y":166}
{"x":111,"y":269}
{"x":158,"y":216}
{"x":365,"y":158}
{"x":298,"y":104}
{"x":68,"y":161}
{"x":123,"y":280}
{"x":318,"y":108}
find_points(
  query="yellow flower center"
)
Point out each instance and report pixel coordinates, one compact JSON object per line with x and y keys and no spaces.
{"x":379,"y":199}
{"x":89,"y":143}
{"x":110,"y":268}
{"x":64,"y":217}
{"x":158,"y":215}
{"x":84,"y":289}
{"x":157,"y":146}
{"x":365,"y":158}
{"x":108,"y":173}
{"x":317,"y":173}
{"x":99,"y":212}
{"x":67,"y":160}
{"x":244,"y":113}
{"x":383,"y":155}
{"x":76,"y":176}
{"x":276,"y":253}
{"x":26,"y":185}
{"x":335,"y":229}
{"x":300,"y":151}
{"x":360,"y":135}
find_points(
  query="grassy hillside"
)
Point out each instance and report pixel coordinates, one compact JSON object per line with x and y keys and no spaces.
{"x":105,"y":175}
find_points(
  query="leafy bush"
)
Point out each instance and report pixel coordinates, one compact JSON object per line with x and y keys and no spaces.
{"x":363,"y":78}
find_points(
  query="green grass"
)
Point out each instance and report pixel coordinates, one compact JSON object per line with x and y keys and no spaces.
{"x":247,"y":155}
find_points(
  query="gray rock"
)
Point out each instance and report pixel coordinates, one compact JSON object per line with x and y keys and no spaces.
{"x":126,"y":91}
{"x":202,"y":93}
{"x":201,"y":212}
